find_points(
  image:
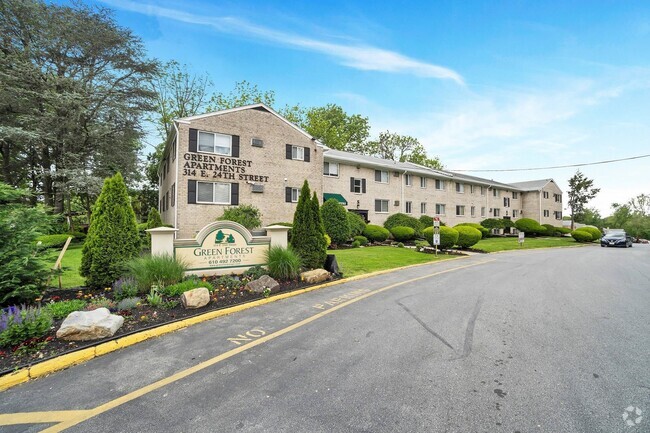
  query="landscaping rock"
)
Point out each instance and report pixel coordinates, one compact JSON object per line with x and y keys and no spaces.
{"x":89,"y":325}
{"x":315,"y":276}
{"x":258,"y":286}
{"x":195,"y":298}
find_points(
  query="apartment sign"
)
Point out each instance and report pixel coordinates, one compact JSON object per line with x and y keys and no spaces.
{"x":220,"y":167}
{"x":221,"y":247}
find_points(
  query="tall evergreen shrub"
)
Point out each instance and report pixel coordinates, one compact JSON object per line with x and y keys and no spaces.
{"x":153,"y":220}
{"x":112,"y":236}
{"x":335,"y":220}
{"x":308,"y":233}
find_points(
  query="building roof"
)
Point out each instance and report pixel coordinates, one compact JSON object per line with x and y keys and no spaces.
{"x":532,"y":185}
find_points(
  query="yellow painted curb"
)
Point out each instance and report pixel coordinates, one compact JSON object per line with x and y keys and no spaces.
{"x":68,"y":360}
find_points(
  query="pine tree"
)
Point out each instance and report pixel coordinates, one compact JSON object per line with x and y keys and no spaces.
{"x":308,"y":238}
{"x":112,"y":236}
{"x":153,"y":221}
{"x":335,"y":220}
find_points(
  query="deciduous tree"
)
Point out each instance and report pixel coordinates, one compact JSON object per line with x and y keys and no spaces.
{"x":580,"y":192}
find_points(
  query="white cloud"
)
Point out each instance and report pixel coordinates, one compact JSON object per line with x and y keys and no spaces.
{"x":357,"y":56}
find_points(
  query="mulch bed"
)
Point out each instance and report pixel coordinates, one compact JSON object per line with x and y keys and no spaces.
{"x":141,"y":318}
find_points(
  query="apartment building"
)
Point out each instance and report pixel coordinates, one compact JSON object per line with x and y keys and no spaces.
{"x":252,"y":155}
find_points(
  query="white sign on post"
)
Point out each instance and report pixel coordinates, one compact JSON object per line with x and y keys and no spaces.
{"x":436,"y":239}
{"x":436,"y":222}
{"x":521,"y":237}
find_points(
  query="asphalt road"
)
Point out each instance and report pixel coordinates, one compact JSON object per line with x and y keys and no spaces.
{"x":531,"y":341}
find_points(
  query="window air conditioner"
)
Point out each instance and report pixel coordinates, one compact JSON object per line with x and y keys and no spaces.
{"x":396,"y":203}
{"x":258,"y":188}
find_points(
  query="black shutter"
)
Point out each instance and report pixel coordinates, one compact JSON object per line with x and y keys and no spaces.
{"x":363,"y":186}
{"x":193,"y":139}
{"x":289,"y":151}
{"x":377,"y":206}
{"x":307,"y":154}
{"x":235,"y":146}
{"x":351,"y":184}
{"x":191,"y":191}
{"x":234,"y":194}
{"x":377,"y":176}
{"x":287,"y":194}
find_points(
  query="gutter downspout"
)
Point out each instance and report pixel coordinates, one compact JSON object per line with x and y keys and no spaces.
{"x":176,"y":181}
{"x":402,"y":193}
{"x":540,"y":206}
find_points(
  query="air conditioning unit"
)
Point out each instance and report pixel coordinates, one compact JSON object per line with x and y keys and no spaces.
{"x":256,"y":142}
{"x":258,"y":187}
{"x":490,"y":210}
{"x":396,"y":203}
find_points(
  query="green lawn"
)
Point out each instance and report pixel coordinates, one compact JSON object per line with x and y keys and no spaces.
{"x":70,"y":265}
{"x":357,"y":261}
{"x":491,"y":245}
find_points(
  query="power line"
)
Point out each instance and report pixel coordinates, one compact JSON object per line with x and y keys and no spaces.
{"x":560,"y":166}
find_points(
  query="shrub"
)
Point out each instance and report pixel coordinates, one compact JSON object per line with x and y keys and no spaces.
{"x":402,"y":234}
{"x":593,"y":231}
{"x":283,"y":263}
{"x":426,"y":221}
{"x":125,"y":287}
{"x":228,"y":282}
{"x":128,"y":303}
{"x":448,"y":236}
{"x":143,"y":235}
{"x":363,"y":241}
{"x":61,"y":309}
{"x":308,"y":239}
{"x":153,"y":298}
{"x":507,"y":223}
{"x":255,"y":272}
{"x":357,"y":223}
{"x":400,"y":245}
{"x":530,"y":227}
{"x":403,"y":220}
{"x":112,"y":236}
{"x":563,"y":230}
{"x":155,"y":270}
{"x":356,"y":244}
{"x":467,"y":236}
{"x":335,"y":221}
{"x":328,"y":240}
{"x":100,"y":302}
{"x":581,"y":236}
{"x":52,"y":241}
{"x":550,"y":230}
{"x":484,"y":231}
{"x":153,"y":221}
{"x":375,"y":233}
{"x":247,"y":215}
{"x":182,"y":287}
{"x":18,"y":324}
{"x":493,"y":223}
{"x":78,"y":236}
{"x":22,"y":271}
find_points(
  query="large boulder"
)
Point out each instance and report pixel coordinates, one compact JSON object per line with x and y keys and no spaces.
{"x":315,"y":276}
{"x":262,"y":283}
{"x":89,"y":325}
{"x":195,"y":298}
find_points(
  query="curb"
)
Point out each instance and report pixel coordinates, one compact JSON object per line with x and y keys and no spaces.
{"x":70,"y":359}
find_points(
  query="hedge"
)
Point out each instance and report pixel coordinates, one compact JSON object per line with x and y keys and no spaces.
{"x":357,"y":224}
{"x":593,"y":231}
{"x":550,"y":230}
{"x":581,"y":236}
{"x":530,"y":227}
{"x":363,"y":241}
{"x":448,"y":236}
{"x":335,"y":221}
{"x":484,"y":231}
{"x":376,"y":233}
{"x":403,"y":220}
{"x":493,"y":223}
{"x":467,"y":236}
{"x":563,"y":230}
{"x":401,"y":233}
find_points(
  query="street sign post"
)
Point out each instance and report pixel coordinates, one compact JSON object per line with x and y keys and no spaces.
{"x":436,"y":233}
{"x":521,"y":239}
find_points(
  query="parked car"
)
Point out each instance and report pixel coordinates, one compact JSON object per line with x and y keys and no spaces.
{"x":616,"y":239}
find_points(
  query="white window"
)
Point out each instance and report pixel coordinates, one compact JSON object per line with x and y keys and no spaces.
{"x":440,"y":184}
{"x":472,"y":211}
{"x":545,"y":194}
{"x":381,"y":176}
{"x":440,"y":209}
{"x":423,"y":208}
{"x":298,"y":153}
{"x":331,"y":169}
{"x":471,"y":189}
{"x":482,"y":210}
{"x":515,"y":213}
{"x":409,"y":179}
{"x":495,"y":192}
{"x":460,"y":187}
{"x":295,"y":193}
{"x":497,"y":212}
{"x":483,"y":192}
{"x":358,"y":188}
{"x":381,"y":206}
{"x":460,"y":210}
{"x":506,"y":201}
{"x":213,"y":192}
{"x":515,"y":195}
{"x":409,"y":207}
{"x":423,"y":182}
{"x":211,"y":142}
{"x":547,"y":213}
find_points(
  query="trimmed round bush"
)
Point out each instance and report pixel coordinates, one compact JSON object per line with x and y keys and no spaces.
{"x":448,"y":236}
{"x":427,"y":221}
{"x":467,"y":236}
{"x":375,"y":233}
{"x":563,"y":230}
{"x":581,"y":236}
{"x":530,"y":227}
{"x":356,"y":244}
{"x":357,"y":224}
{"x":363,"y":241}
{"x":52,"y":241}
{"x":484,"y":232}
{"x":493,"y":223}
{"x":335,"y":221}
{"x":593,"y":231}
{"x":400,"y":245}
{"x":550,"y":230}
{"x":403,"y":220}
{"x":247,"y":215}
{"x":402,"y":234}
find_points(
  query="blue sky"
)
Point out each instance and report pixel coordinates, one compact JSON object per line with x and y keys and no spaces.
{"x":483,"y":85}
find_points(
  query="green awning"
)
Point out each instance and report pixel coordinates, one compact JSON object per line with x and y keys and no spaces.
{"x":337,"y":197}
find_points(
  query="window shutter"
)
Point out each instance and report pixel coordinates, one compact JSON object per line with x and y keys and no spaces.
{"x":194,"y":134}
{"x":351,"y":184}
{"x":289,"y":151}
{"x":377,"y":176}
{"x":377,"y":206}
{"x":235,"y":146}
{"x":234,"y":194}
{"x":287,"y":194}
{"x":191,"y":191}
{"x":307,"y":151}
{"x":363,"y":186}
